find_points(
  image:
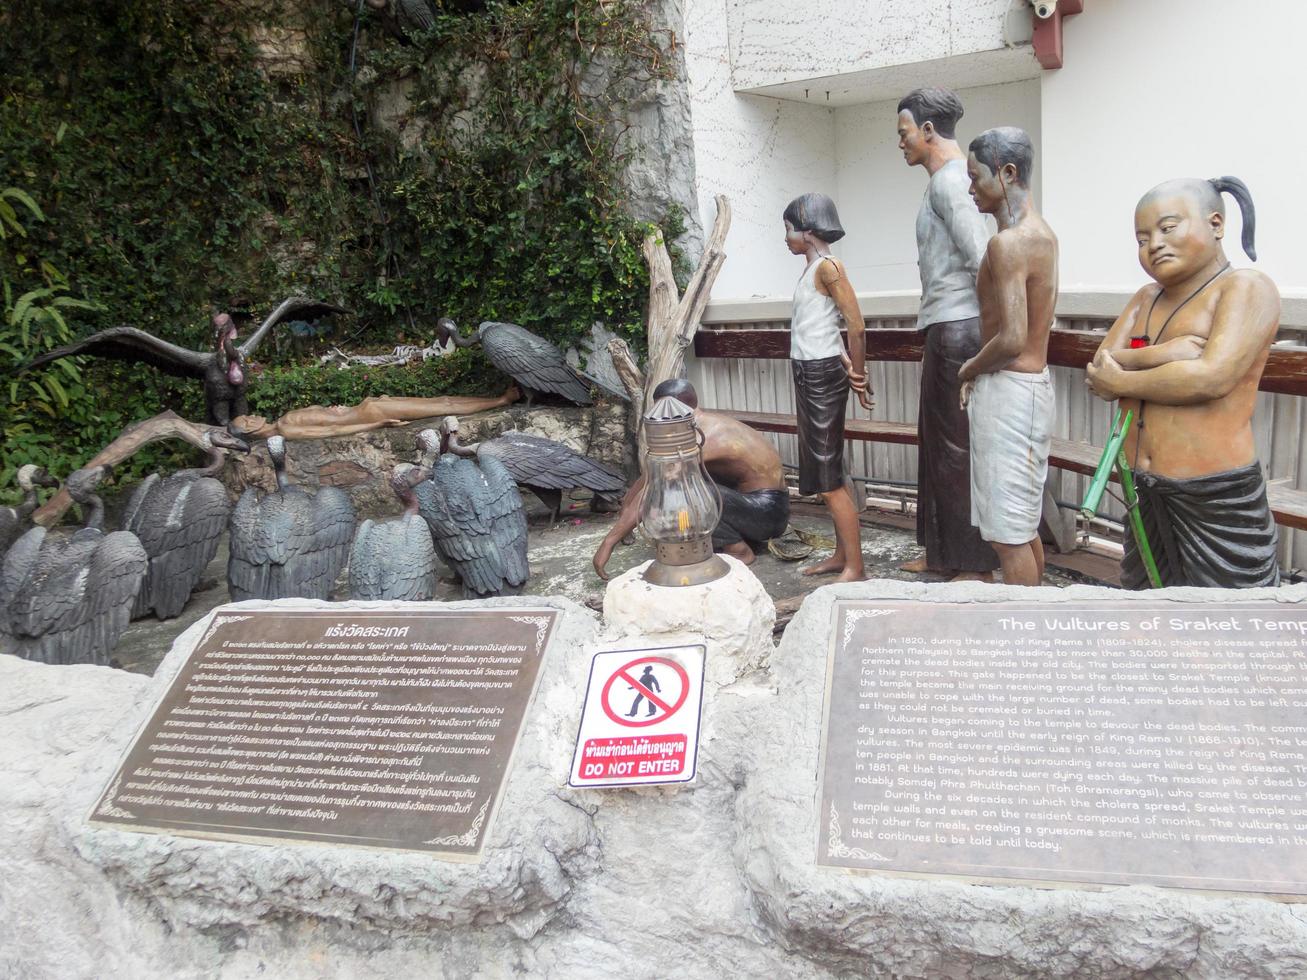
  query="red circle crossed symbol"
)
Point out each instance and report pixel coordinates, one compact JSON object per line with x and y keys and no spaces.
{"x":668,"y":709}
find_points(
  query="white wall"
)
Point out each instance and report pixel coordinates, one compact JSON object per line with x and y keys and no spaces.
{"x":1175,"y":88}
{"x":776,"y":41}
{"x":759,"y":152}
{"x":878,"y":194}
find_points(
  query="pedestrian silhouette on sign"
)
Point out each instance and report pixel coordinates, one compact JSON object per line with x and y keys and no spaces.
{"x":651,"y":684}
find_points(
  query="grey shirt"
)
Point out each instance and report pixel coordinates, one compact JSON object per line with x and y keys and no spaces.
{"x":951,"y":239}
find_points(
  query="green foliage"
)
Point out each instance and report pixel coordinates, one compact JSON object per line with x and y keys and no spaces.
{"x":462,"y":372}
{"x":34,"y":296}
{"x":180,"y":167}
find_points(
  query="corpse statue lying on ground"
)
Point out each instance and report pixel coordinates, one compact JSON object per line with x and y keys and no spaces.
{"x":748,"y":473}
{"x":1187,"y":356}
{"x":319,"y":422}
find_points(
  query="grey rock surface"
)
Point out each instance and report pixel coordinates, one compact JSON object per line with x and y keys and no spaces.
{"x":716,"y":879}
{"x":877,"y":925}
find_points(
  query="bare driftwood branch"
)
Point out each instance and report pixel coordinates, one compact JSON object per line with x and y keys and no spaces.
{"x":165,"y":425}
{"x":633,"y":381}
{"x":674,"y":319}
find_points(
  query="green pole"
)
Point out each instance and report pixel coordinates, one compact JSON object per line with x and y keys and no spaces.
{"x":1136,"y":519}
{"x":1114,"y":457}
{"x":1094,"y":496}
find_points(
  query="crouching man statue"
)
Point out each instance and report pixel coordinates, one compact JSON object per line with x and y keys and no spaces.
{"x":1187,"y":356}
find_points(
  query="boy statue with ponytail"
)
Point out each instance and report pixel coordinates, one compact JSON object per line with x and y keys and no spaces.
{"x":1187,"y":356}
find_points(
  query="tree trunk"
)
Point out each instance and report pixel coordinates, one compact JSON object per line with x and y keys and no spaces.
{"x":674,"y":319}
{"x":165,"y":425}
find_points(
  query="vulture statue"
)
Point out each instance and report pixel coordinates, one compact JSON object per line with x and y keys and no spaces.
{"x":179,"y":519}
{"x":547,"y":468}
{"x":66,"y":599}
{"x":534,"y":363}
{"x":223,"y":369}
{"x":14,"y":521}
{"x":475,"y":515}
{"x":290,"y":542}
{"x":395,"y":559}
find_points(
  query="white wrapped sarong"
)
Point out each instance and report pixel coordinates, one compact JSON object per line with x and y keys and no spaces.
{"x":1010,"y":414}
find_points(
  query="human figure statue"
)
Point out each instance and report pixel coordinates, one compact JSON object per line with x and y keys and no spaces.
{"x":650,"y":683}
{"x":317,"y":422}
{"x":823,"y":373}
{"x":748,"y":473}
{"x":1006,"y":387}
{"x":951,"y":237}
{"x":1187,"y":355}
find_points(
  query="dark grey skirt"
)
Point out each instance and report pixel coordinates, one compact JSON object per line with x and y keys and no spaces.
{"x":821,"y":391}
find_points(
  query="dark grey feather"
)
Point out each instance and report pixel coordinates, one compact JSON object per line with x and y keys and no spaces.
{"x":532,"y":361}
{"x":179,"y":521}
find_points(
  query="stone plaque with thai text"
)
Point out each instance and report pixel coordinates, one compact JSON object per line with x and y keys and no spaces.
{"x":390,"y":729}
{"x":1139,"y":742}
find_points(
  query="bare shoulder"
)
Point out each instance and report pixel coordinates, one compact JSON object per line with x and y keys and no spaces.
{"x":1251,"y":284}
{"x":831,"y":270}
{"x":1006,"y":249}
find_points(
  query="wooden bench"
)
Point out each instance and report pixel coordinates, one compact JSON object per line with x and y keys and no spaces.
{"x":1286,"y":373}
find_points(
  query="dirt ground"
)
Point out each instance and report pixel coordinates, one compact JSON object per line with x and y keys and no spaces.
{"x":560,"y":559}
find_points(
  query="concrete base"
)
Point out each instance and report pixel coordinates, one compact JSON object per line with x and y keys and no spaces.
{"x":715,"y":880}
{"x":733,"y":615}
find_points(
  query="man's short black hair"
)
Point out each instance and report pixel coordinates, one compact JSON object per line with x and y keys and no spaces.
{"x":815,"y":213}
{"x":1003,"y":145}
{"x":938,"y":106}
{"x":677,"y":388}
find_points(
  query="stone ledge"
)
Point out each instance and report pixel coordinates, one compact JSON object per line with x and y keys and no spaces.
{"x":361,"y":464}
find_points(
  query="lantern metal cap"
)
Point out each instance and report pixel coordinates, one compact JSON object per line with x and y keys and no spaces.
{"x":669,"y":428}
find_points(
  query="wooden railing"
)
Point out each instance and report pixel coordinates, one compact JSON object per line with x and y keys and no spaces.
{"x":737,"y":366}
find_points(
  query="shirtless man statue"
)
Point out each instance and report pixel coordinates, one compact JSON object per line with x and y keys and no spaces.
{"x":1006,"y":388}
{"x":1187,"y":355}
{"x":317,"y":422}
{"x":747,"y":470}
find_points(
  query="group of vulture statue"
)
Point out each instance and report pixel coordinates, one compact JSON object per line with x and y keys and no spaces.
{"x":67,"y":596}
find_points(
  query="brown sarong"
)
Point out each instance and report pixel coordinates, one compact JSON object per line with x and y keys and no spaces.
{"x":821,"y":391}
{"x":944,"y":454}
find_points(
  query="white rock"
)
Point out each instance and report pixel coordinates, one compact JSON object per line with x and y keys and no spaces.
{"x":717,"y":880}
{"x":734,"y":616}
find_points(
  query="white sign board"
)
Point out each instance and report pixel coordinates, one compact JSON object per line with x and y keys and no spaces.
{"x":640,"y":721}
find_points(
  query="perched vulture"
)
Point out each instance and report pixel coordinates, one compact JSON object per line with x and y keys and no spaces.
{"x":475,"y":514}
{"x":547,"y":468}
{"x":395,"y":559}
{"x":67,"y":599}
{"x":288,"y":543}
{"x":179,"y":520}
{"x":14,"y":521}
{"x":533,"y":362}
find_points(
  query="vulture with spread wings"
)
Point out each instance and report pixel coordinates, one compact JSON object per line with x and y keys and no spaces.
{"x":222,"y":369}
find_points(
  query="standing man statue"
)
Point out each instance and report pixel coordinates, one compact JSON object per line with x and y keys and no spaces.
{"x":951,"y":237}
{"x":1187,"y":356}
{"x":1007,"y":385}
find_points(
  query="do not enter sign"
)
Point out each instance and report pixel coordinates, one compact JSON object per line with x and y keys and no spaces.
{"x":660,"y":688}
{"x":640,"y":720}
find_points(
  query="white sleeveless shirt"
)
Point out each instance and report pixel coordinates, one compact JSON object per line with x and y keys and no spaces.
{"x":815,"y":323}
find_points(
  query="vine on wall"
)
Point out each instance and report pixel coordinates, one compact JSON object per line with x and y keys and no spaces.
{"x":186,"y":152}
